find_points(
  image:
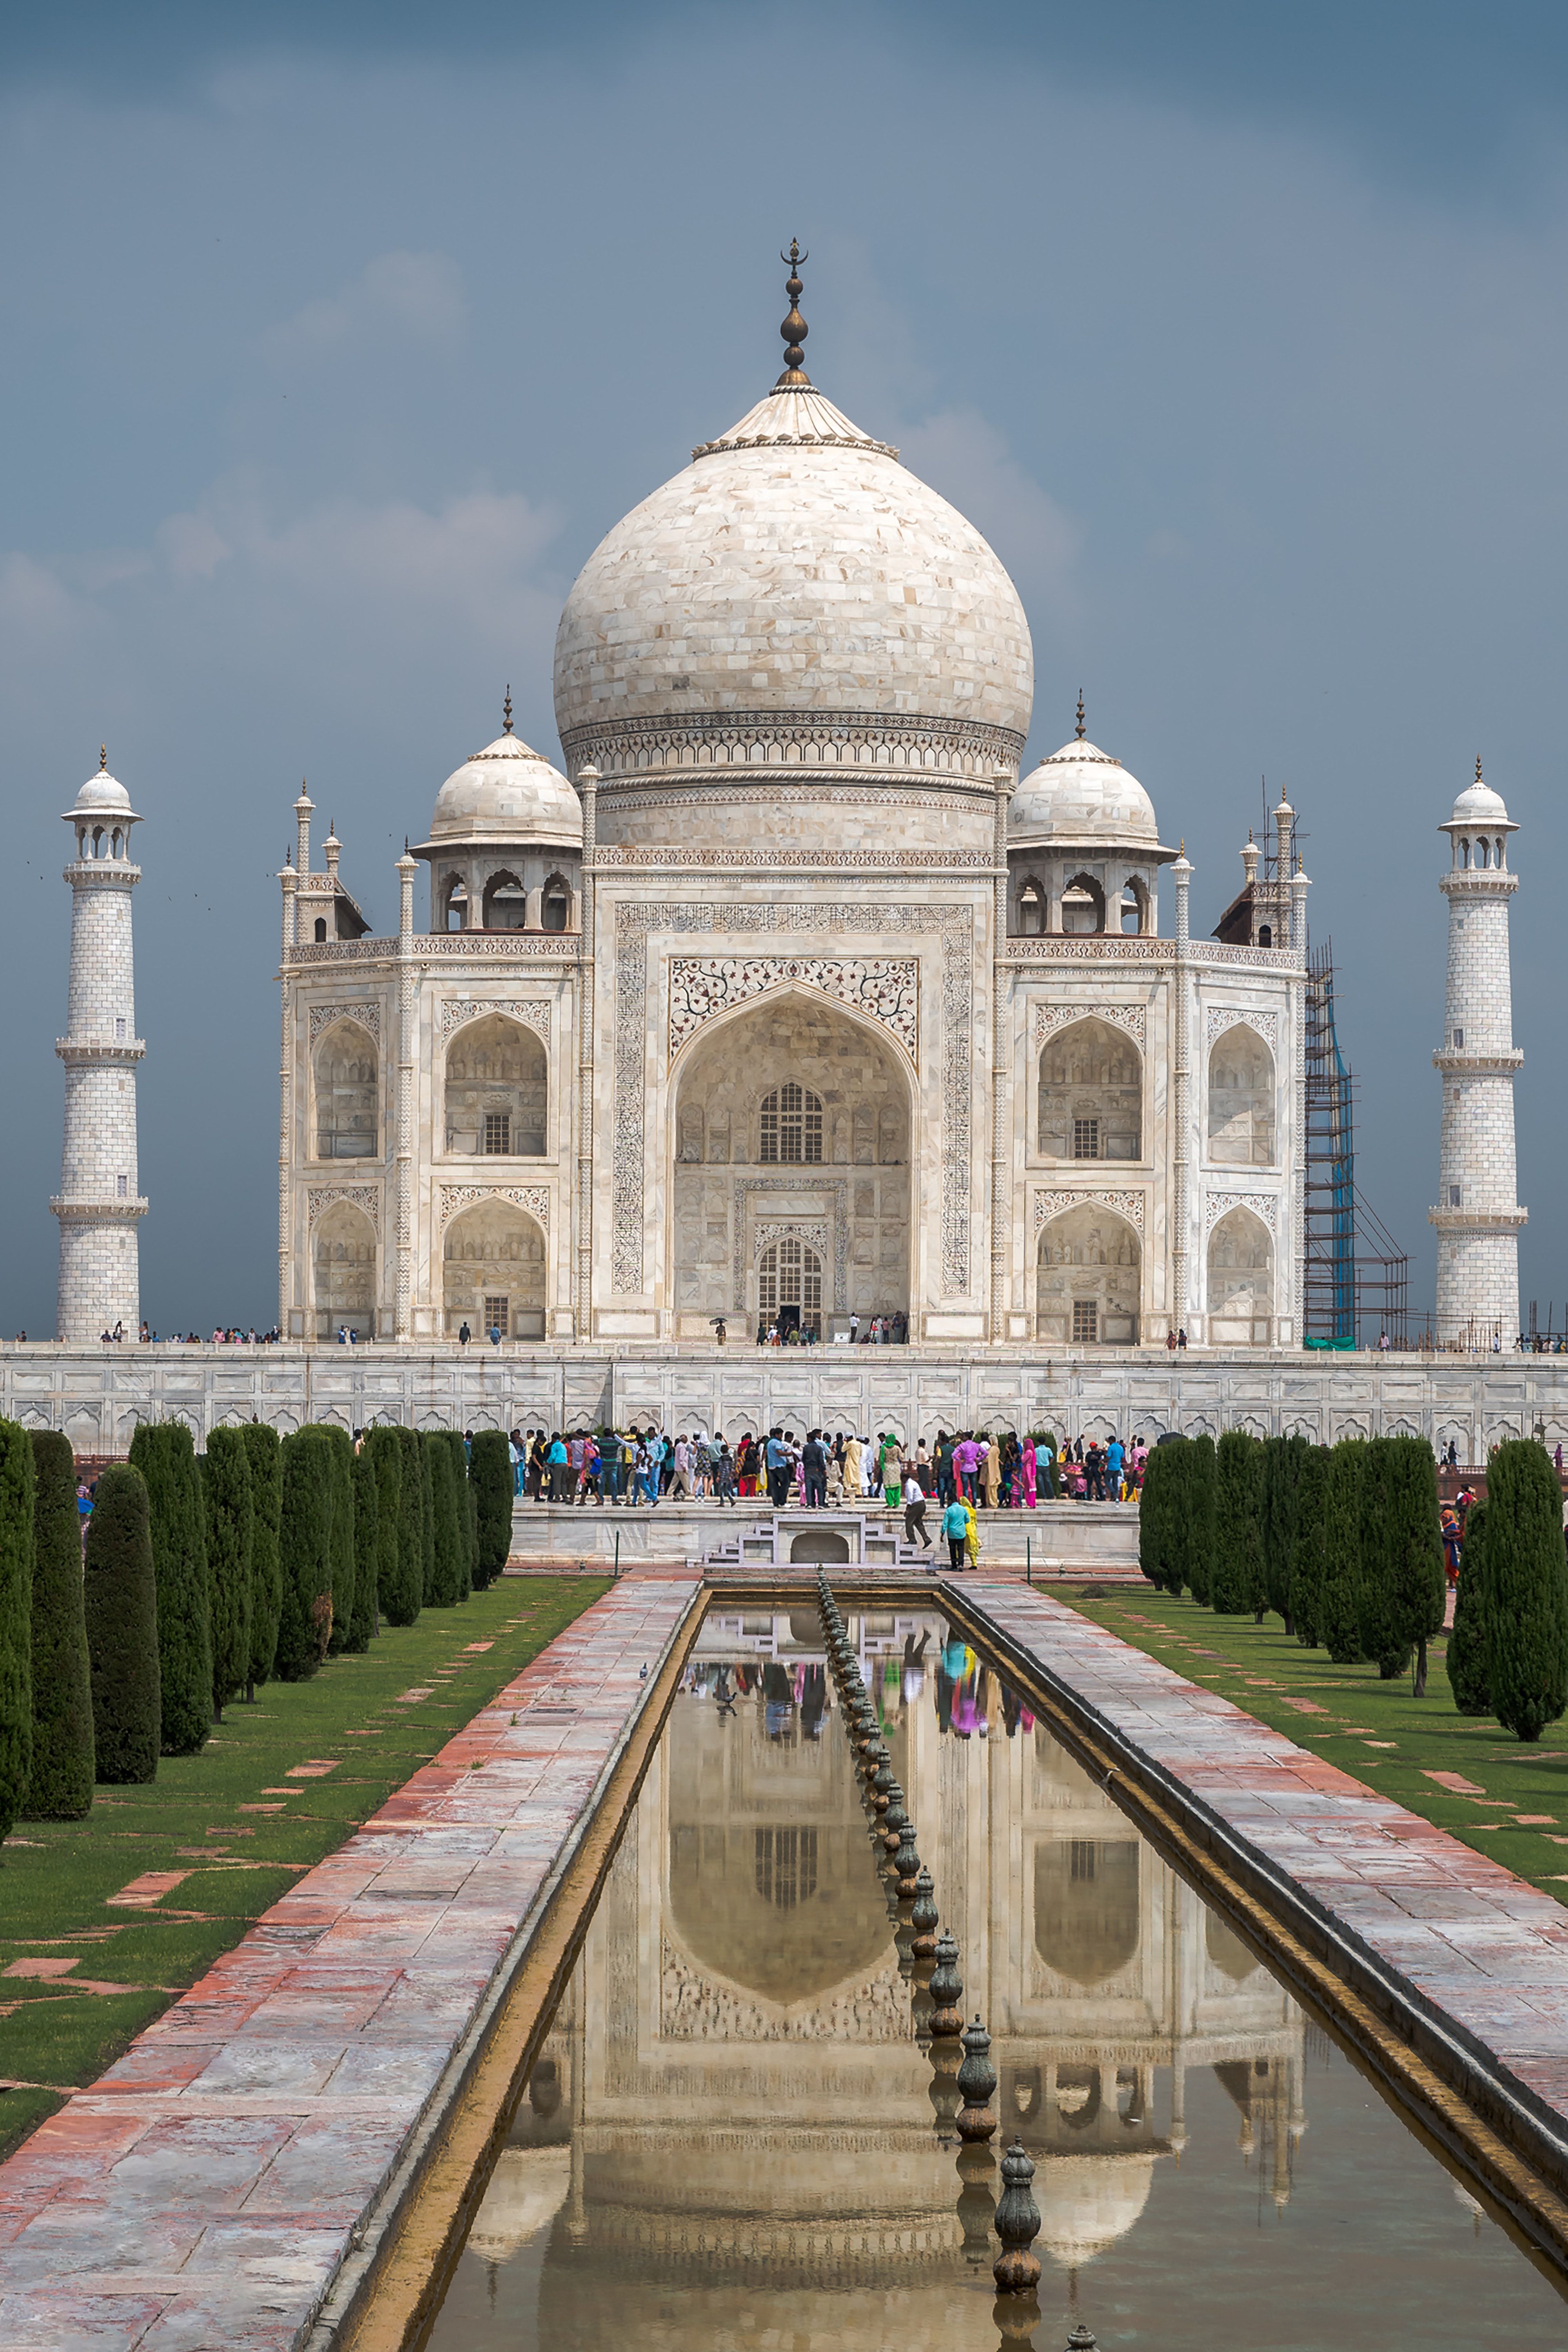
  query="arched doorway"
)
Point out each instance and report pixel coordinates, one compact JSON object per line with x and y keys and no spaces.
{"x":343,"y":1271}
{"x":791,"y":1121}
{"x":820,"y":1548}
{"x":1088,"y":1273}
{"x":1240,"y":1281}
{"x":493,"y":1273}
{"x":789,"y":1286}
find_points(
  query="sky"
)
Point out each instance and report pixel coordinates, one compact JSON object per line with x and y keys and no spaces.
{"x":334,"y":338}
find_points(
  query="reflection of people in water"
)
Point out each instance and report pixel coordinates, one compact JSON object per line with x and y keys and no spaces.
{"x":723,"y":1692}
{"x":913,"y":1667}
{"x":777,"y":1699}
{"x":813,"y":1702}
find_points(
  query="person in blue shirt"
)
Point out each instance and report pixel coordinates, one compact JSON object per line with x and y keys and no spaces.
{"x":1115,"y":1458}
{"x":956,"y":1527}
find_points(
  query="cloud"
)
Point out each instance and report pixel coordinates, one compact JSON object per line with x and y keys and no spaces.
{"x":961,"y":453}
{"x":414,"y":297}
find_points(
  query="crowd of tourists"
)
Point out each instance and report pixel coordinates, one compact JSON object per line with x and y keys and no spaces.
{"x":991,"y":1471}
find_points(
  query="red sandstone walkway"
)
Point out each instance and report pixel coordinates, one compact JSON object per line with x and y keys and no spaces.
{"x":1478,"y":1942}
{"x":203,"y":2192}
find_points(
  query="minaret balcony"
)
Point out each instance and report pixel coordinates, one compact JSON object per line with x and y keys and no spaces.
{"x":97,"y":1211}
{"x":75,"y":1051}
{"x":1477,"y":1062}
{"x":1477,"y":1220}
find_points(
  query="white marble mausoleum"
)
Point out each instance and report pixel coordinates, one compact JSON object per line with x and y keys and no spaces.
{"x":787,"y":995}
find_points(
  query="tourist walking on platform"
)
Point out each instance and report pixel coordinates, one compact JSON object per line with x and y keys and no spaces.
{"x":724,"y":1470}
{"x":1030,"y":1470}
{"x":814,"y":1470}
{"x":1115,"y":1458}
{"x":956,"y":1527}
{"x":991,"y":1471}
{"x":915,"y":1510}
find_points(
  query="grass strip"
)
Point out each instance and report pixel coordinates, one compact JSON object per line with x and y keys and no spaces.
{"x":1513,"y":1806}
{"x":221,"y":1835}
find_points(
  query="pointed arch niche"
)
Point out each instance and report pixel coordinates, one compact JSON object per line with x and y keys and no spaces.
{"x":343,"y":1271}
{"x":344,"y":1067}
{"x":1241,"y":1100}
{"x":1240,"y":1281}
{"x":496,"y":1091}
{"x":493,"y":1272}
{"x":1088,"y":1279}
{"x":1090,"y":1094}
{"x":791,"y":1118}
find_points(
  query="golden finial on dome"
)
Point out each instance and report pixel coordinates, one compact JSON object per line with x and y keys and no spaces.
{"x":506,"y":712}
{"x":794,"y":330}
{"x":1080,"y":730}
{"x":1478,"y":767}
{"x":103,"y":761}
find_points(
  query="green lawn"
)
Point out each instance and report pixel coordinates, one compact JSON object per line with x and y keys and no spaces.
{"x":237,"y":1828}
{"x":1374,"y":1730}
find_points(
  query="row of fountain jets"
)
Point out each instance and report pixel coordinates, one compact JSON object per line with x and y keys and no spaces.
{"x":962,"y":2091}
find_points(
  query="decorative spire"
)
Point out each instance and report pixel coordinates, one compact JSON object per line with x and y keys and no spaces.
{"x":103,"y":761}
{"x":506,"y":713}
{"x":1078,"y":730}
{"x":794,"y":330}
{"x":1478,"y":767}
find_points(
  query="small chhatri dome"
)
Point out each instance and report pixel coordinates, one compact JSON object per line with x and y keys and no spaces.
{"x":103,"y":795}
{"x":1081,"y":797}
{"x":1480,"y":806}
{"x":507,"y":793}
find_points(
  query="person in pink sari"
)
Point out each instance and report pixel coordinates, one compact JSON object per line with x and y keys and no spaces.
{"x":1029,"y":1467}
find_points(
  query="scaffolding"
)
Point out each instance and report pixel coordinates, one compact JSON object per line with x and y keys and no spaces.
{"x":1355,"y":1286}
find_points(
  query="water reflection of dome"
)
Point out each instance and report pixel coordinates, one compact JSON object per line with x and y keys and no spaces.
{"x":1086,"y":1905}
{"x":1087,"y":2202}
{"x":528,"y":2189}
{"x":1226,"y":1948}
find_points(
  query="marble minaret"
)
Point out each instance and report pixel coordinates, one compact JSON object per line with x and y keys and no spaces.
{"x":1477,"y":1216}
{"x":98,"y":1205}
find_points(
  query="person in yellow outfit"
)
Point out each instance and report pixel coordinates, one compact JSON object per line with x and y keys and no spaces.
{"x":972,"y":1541}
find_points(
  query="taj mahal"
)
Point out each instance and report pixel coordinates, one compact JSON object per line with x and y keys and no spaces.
{"x":789,"y":998}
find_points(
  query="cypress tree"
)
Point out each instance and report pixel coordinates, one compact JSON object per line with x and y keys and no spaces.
{"x":1236,"y":1583}
{"x":1527,"y":1589}
{"x":1307,"y":1552}
{"x":163,"y":1453}
{"x":1383,"y":1634}
{"x":231,"y":1553}
{"x":120,"y":1607}
{"x":410,"y":1527}
{"x":262,"y":1454}
{"x":445,"y":1589}
{"x":1413,"y":1542}
{"x":427,"y":1523}
{"x":340,"y":1489}
{"x":59,"y":1787}
{"x":1196,"y":1495}
{"x":396,"y":1598}
{"x":1282,"y":1460}
{"x":490,"y":1473}
{"x":366,"y":1621}
{"x":462,"y":1511}
{"x":17,"y":1490}
{"x":305,"y":1546}
{"x":1154,"y":1532}
{"x":1339,"y":1608}
{"x":470,"y":1495}
{"x":1469,"y":1662}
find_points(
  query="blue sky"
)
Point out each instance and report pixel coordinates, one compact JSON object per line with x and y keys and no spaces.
{"x":335,"y":337}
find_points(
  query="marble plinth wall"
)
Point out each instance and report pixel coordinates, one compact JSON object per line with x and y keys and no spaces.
{"x":97,"y":1395}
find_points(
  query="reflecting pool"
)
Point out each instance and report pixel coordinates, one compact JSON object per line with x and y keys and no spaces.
{"x":730,"y":2140}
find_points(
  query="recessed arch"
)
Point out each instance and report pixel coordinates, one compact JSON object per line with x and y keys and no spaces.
{"x":1082,"y":905}
{"x":855,"y":1204}
{"x":1088,"y":1278}
{"x":1031,"y":909}
{"x":1136,"y":906}
{"x":1242,"y":1125}
{"x":1087,"y":1908}
{"x":493,"y":1272}
{"x":555,"y":904}
{"x":497,"y":1090}
{"x":1090,"y":1094}
{"x":346,"y":1067}
{"x":505,"y":905}
{"x":1240,"y":1281}
{"x":452,"y":905}
{"x":343,"y":1270}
